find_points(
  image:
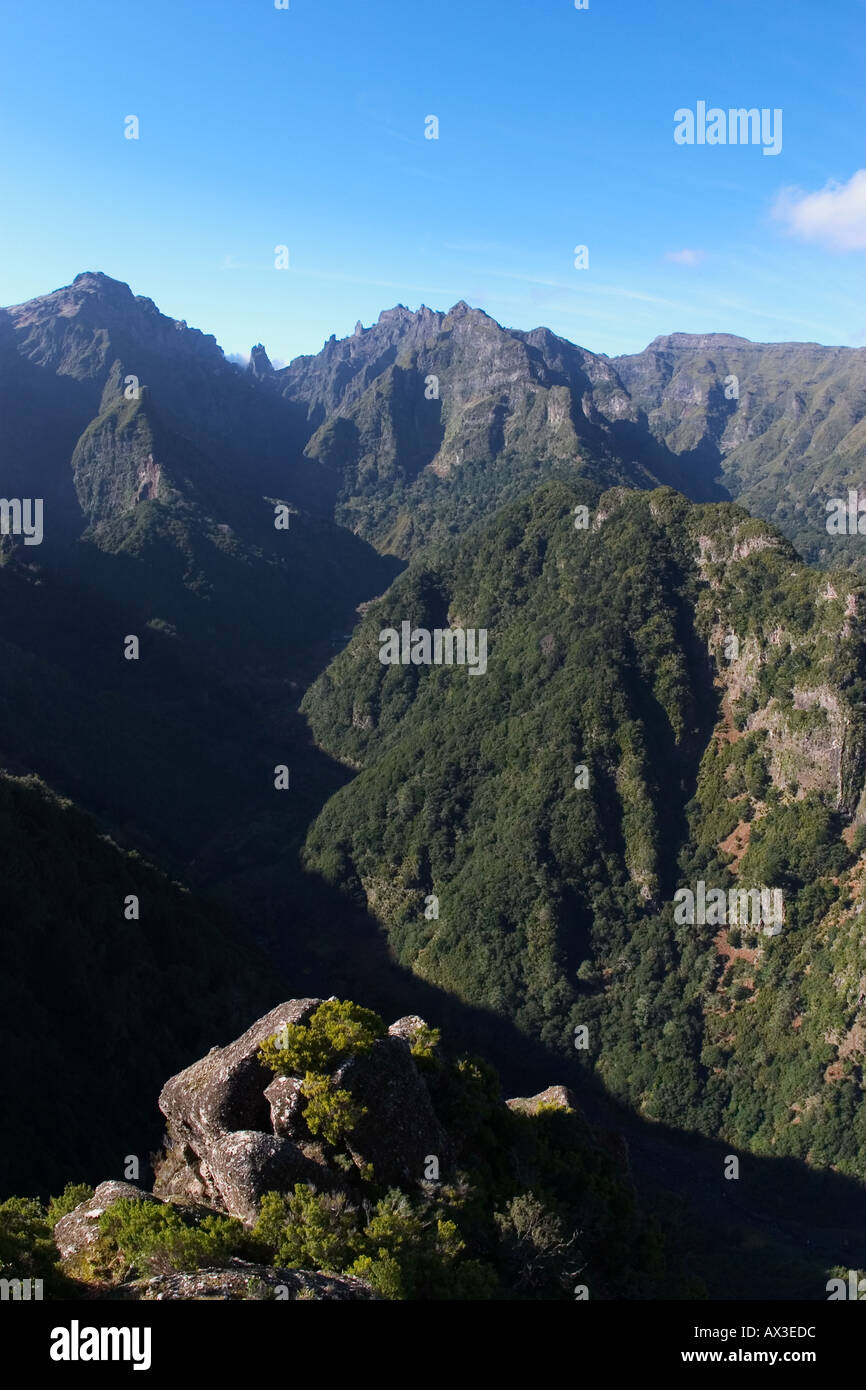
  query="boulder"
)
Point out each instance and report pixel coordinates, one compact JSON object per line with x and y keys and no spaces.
{"x":221,"y":1094}
{"x":79,"y":1228}
{"x":407,"y":1028}
{"x":225,"y":1090}
{"x":400,"y":1130}
{"x":244,"y":1165}
{"x":236,"y":1132}
{"x":560,"y":1096}
{"x":287,"y":1102}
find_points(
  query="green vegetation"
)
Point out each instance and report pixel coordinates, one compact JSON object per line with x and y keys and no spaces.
{"x":486,"y":1232}
{"x":555,"y":902}
{"x":27,"y":1249}
{"x":330,"y":1111}
{"x":142,"y":1238}
{"x":334,"y":1031}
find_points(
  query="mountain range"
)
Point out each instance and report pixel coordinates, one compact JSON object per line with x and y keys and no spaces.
{"x":675,"y":693}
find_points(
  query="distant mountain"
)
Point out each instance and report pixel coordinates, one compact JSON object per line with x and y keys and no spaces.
{"x":409,"y":430}
{"x":66,"y":360}
{"x":782,"y":424}
{"x":162,"y":468}
{"x":427,"y":421}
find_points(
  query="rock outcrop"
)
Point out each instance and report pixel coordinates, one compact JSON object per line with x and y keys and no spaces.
{"x":236,"y":1132}
{"x":218,"y":1115}
{"x":560,"y":1096}
{"x":260,"y":364}
{"x":79,"y":1229}
{"x":287,"y":1104}
{"x":245,"y":1165}
{"x":400,"y":1131}
{"x":242,"y":1280}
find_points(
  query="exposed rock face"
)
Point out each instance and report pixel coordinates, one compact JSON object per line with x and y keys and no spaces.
{"x":221,"y":1095}
{"x":244,"y":1165}
{"x":148,"y":480}
{"x":225,"y":1090}
{"x":287,"y":1103}
{"x":826,"y":751}
{"x":260,"y":364}
{"x":554,"y":1095}
{"x":236,"y":1132}
{"x":407,"y":1028}
{"x":80,"y":1228}
{"x":254,"y":1282}
{"x":400,"y":1129}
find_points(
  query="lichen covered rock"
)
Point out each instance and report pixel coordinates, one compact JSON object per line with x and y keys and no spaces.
{"x":242,"y":1280}
{"x":79,"y":1228}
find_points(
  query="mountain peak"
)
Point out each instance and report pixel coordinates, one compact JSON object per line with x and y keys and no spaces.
{"x":97,"y":280}
{"x":399,"y":314}
{"x":259,"y":363}
{"x":697,"y":340}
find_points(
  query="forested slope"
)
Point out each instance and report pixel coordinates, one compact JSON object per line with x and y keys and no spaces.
{"x":607,"y":651}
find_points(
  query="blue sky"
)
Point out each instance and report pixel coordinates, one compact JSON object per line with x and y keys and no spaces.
{"x":305,"y":128}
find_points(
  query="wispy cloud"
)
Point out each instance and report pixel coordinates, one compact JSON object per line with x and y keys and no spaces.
{"x":685,"y":257}
{"x":348,"y":278}
{"x":834,"y":218}
{"x":581,"y":286}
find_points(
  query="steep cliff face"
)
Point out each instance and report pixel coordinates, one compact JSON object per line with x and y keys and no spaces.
{"x":787,"y":642}
{"x":74,"y":362}
{"x":113,"y":463}
{"x":439,"y":418}
{"x":778,"y":427}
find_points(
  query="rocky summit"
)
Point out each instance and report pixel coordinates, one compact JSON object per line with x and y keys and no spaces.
{"x":369,"y":1166}
{"x":235,"y":1132}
